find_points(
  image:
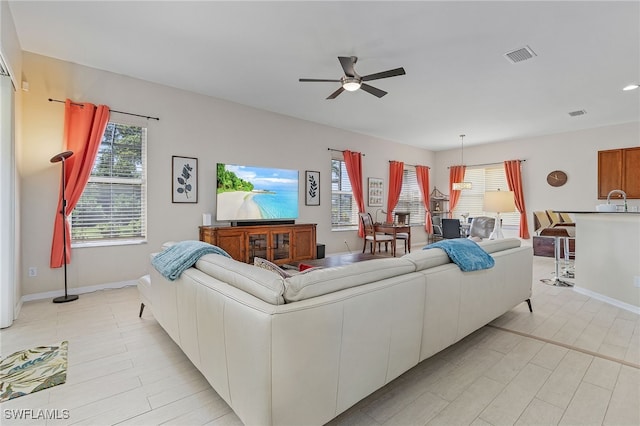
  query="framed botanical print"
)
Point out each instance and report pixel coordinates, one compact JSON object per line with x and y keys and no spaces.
{"x":184,"y":179}
{"x":375,"y":192}
{"x":312,"y":188}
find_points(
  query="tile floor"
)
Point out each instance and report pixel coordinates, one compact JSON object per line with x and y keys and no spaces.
{"x":574,"y":361}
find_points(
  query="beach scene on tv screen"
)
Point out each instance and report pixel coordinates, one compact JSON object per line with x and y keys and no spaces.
{"x":256,"y":193}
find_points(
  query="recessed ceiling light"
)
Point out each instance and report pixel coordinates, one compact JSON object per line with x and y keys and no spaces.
{"x":630,"y":87}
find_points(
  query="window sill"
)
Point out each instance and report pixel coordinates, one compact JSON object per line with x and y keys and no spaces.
{"x":107,"y":243}
{"x":344,"y":228}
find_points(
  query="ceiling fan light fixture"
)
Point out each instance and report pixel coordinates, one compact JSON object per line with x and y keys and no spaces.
{"x":351,"y":84}
{"x":630,"y":87}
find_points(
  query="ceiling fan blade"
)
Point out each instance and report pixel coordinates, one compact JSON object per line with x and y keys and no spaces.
{"x":336,"y":93}
{"x":373,"y":90}
{"x":306,"y":80}
{"x":384,"y":74}
{"x":347,"y":65}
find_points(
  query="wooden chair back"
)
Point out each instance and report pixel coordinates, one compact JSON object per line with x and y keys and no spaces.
{"x":367,"y":223}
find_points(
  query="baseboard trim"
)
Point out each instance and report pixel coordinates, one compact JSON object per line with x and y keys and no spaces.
{"x":606,"y":299}
{"x":78,"y":290}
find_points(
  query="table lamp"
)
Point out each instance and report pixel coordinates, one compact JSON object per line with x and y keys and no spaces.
{"x":498,"y":202}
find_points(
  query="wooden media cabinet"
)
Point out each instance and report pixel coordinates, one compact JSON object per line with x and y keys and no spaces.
{"x":277,"y":243}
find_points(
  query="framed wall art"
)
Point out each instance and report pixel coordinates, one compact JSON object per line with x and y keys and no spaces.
{"x":184,"y":179}
{"x":375,"y":192}
{"x":312,"y":188}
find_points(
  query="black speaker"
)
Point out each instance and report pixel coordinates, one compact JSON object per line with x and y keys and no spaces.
{"x":319,"y":251}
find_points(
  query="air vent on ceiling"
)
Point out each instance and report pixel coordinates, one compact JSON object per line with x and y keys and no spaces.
{"x":577,"y":113}
{"x":520,"y":55}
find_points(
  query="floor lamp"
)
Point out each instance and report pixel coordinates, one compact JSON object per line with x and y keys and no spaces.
{"x":498,"y":202}
{"x":56,"y":159}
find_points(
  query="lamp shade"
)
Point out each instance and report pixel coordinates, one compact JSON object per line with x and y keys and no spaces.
{"x":499,"y":201}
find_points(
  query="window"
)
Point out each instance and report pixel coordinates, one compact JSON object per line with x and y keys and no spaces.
{"x":411,"y":197}
{"x":483,"y":179}
{"x":344,"y":209}
{"x":112,"y":208}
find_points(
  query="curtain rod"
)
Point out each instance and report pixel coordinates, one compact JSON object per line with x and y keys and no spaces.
{"x":112,"y":110}
{"x":488,"y":164}
{"x":340,"y":150}
{"x":412,"y":165}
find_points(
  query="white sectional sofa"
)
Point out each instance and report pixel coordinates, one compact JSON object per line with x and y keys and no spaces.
{"x":343,"y":332}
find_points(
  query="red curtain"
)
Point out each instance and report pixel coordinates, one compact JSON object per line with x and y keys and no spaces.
{"x":84,"y":126}
{"x":514,"y":180}
{"x":353,"y":162}
{"x":422,"y":174}
{"x":456,"y":174}
{"x":396,"y":169}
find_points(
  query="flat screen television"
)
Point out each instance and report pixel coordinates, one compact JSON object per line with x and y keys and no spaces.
{"x":246,"y":193}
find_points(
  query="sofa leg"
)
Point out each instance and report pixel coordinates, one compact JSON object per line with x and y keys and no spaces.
{"x":529,"y":303}
{"x":142,"y":309}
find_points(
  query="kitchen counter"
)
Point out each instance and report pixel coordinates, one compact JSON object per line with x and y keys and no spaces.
{"x":592,"y":212}
{"x":607,"y":265}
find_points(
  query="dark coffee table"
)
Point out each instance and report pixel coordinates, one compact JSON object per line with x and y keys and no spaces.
{"x":340,"y":259}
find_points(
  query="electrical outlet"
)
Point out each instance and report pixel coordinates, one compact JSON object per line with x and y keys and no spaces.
{"x":33,"y":271}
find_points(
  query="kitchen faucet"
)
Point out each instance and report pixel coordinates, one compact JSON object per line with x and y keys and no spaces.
{"x":620,"y":191}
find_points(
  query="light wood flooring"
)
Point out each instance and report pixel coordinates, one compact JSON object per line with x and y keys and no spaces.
{"x":574,"y":361}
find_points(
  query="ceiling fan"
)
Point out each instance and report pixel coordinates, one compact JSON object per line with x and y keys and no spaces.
{"x":351,"y":81}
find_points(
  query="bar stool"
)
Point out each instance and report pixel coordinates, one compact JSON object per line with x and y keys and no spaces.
{"x":556,"y":281}
{"x":568,"y":271}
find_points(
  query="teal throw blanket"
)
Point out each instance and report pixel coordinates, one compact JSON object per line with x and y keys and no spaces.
{"x":465,"y":253}
{"x":179,"y":257}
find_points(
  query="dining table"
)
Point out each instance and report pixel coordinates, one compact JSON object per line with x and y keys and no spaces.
{"x":394,"y":229}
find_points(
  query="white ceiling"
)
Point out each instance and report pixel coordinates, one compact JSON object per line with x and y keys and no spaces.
{"x":457,"y":80}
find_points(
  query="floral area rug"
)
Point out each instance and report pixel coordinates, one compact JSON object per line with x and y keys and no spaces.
{"x":32,"y":370}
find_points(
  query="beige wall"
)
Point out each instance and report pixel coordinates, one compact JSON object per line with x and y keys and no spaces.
{"x":190,"y":125}
{"x":574,"y":152}
{"x":215,"y":130}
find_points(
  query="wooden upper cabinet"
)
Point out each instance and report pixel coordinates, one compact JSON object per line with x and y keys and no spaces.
{"x":609,"y":171}
{"x":619,"y":169}
{"x":631,"y":172}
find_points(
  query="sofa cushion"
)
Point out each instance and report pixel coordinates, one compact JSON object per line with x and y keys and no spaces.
{"x":328,"y":280}
{"x":492,"y":246}
{"x":425,"y":259}
{"x":258,"y":282}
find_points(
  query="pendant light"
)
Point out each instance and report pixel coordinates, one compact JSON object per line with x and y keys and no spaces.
{"x":459,"y":186}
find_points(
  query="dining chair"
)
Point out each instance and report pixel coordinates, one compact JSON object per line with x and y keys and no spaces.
{"x":451,"y":228}
{"x":436,"y":222}
{"x":402,"y":218}
{"x":371,"y":236}
{"x":481,"y":227}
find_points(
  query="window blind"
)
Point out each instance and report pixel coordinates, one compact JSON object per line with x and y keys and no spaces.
{"x":344,"y":209}
{"x":411,"y":197}
{"x":113,"y":204}
{"x":490,"y":178}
